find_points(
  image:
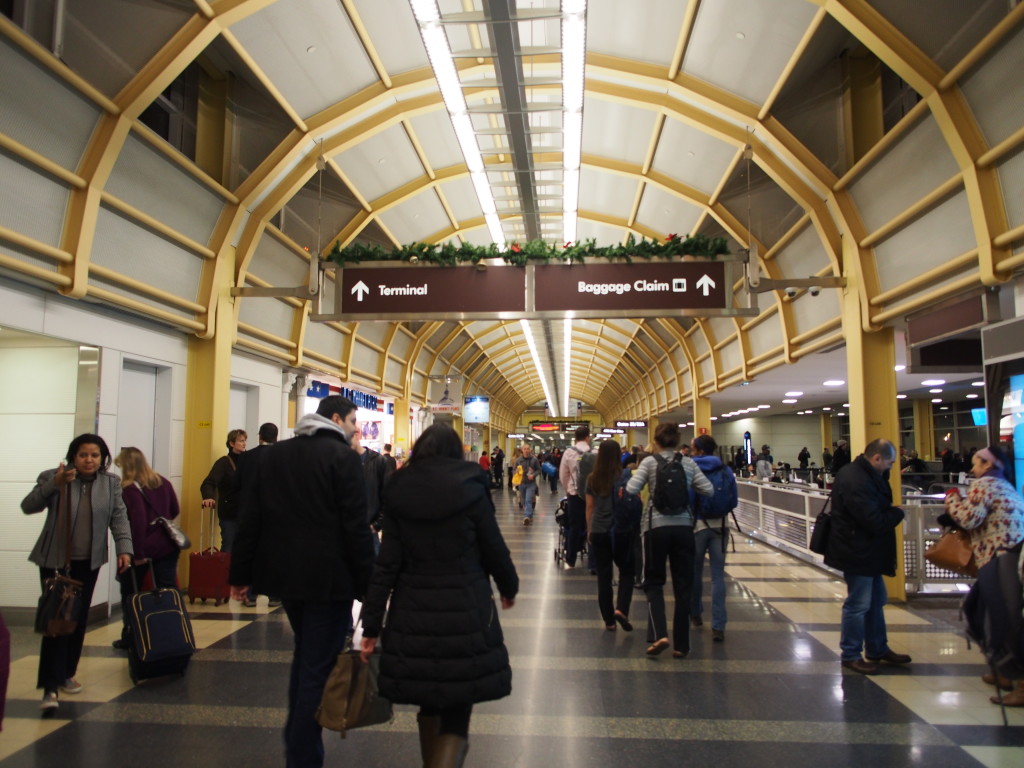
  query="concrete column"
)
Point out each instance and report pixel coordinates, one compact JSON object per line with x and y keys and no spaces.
{"x":701,"y":415}
{"x":402,"y":444}
{"x":924,"y":429}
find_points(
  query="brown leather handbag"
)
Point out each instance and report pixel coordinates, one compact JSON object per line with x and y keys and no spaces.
{"x":953,"y":552}
{"x":60,"y":605}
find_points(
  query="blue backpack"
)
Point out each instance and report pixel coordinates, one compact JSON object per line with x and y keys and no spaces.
{"x":627,"y":508}
{"x":719,"y":504}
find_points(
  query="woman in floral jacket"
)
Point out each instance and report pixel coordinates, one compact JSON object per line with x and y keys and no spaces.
{"x":993,"y":513}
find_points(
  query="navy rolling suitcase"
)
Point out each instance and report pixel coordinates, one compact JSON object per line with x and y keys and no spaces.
{"x":162,"y":642}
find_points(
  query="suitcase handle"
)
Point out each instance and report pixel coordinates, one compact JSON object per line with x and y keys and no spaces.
{"x":204,"y":512}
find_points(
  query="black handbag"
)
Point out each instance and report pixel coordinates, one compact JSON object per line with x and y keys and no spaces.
{"x":60,"y":605}
{"x":822,"y":528}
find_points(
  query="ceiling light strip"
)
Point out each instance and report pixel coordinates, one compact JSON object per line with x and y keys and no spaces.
{"x":528,"y":333}
{"x":567,"y":356}
{"x":435,"y":40}
{"x":574,"y":55}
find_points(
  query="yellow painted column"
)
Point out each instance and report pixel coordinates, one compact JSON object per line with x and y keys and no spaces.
{"x":924,"y":430}
{"x":402,"y":431}
{"x":701,"y":415}
{"x":825,"y":420}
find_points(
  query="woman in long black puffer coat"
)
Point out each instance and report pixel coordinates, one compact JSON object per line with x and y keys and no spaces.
{"x":442,"y":645}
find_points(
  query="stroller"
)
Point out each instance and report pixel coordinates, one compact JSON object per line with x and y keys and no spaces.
{"x":561,"y":520}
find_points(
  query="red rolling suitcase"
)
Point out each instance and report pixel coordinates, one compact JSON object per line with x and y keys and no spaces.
{"x":208,"y":569}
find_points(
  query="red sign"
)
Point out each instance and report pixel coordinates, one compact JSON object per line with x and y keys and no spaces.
{"x":640,"y":285}
{"x":702,"y":430}
{"x":431,"y":289}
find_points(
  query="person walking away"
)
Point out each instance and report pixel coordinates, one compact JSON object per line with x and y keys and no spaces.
{"x":611,"y":540}
{"x":569,"y":474}
{"x":498,"y":466}
{"x":390,"y":460}
{"x":304,"y":538}
{"x":267,"y":436}
{"x":517,"y":454}
{"x":556,"y":460}
{"x":220,"y":488}
{"x":710,"y":534}
{"x":840,"y":457}
{"x":443,"y":648}
{"x":147,"y":496}
{"x":826,"y":459}
{"x":528,"y":488}
{"x":667,"y":530}
{"x":993,"y":514}
{"x":862,"y":544}
{"x":96,"y":505}
{"x":804,"y":457}
{"x":375,"y":472}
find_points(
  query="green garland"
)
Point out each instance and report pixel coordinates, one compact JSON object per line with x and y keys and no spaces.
{"x":518,"y":254}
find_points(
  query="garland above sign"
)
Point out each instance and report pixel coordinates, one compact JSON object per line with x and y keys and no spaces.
{"x":518,"y":254}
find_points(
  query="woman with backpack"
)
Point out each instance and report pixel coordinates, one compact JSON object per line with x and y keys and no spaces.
{"x":711,"y":516}
{"x":667,"y":530}
{"x":611,"y":534}
{"x":993,"y":514}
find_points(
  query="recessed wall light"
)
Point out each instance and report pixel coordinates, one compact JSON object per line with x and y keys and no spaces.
{"x":933,"y":382}
{"x":833,"y":383}
{"x":794,"y":394}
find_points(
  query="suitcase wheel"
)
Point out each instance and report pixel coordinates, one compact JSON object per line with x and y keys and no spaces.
{"x":191,"y":600}
{"x":217,"y":601}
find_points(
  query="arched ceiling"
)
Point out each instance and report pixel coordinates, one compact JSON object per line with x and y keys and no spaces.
{"x":676,"y":92}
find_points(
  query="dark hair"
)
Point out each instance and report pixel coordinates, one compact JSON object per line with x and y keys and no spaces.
{"x":88,"y":439}
{"x":387,"y":447}
{"x":335,"y":404}
{"x":581,"y":433}
{"x":667,"y":434}
{"x":233,"y":435}
{"x":437,"y":440}
{"x":268,"y":432}
{"x":705,"y":444}
{"x":607,"y":468}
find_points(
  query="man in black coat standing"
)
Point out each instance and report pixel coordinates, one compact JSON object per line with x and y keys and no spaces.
{"x":304,"y":537}
{"x":862,"y":544}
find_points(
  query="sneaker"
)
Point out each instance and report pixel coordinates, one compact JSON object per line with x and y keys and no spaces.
{"x":718,"y":635}
{"x":274,"y":602}
{"x":72,"y":686}
{"x":249,"y":603}
{"x":49,"y":702}
{"x":526,"y":521}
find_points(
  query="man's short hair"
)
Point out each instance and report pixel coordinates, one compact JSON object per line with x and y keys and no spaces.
{"x":268,"y":432}
{"x":581,"y":433}
{"x":880,"y":447}
{"x":667,"y":434}
{"x":335,"y":404}
{"x":387,"y":447}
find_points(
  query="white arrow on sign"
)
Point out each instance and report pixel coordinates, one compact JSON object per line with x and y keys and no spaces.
{"x":360,"y":289}
{"x":705,"y":284}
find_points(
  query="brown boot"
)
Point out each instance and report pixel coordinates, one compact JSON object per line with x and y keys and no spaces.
{"x":1004,"y":682}
{"x":429,"y":726}
{"x":449,"y":751}
{"x":1014,"y":698}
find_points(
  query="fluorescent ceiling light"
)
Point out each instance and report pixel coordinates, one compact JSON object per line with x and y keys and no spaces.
{"x":935,"y":391}
{"x":898,"y":368}
{"x":789,"y":401}
{"x":552,"y":404}
{"x":833,"y":383}
{"x":826,"y":408}
{"x":574,"y":59}
{"x":977,"y":383}
{"x":972,"y":396}
{"x":567,"y":343}
{"x":936,"y":399}
{"x":904,"y":397}
{"x":933,"y":382}
{"x":794,"y":394}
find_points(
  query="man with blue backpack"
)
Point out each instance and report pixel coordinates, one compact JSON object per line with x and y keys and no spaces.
{"x":710,"y":534}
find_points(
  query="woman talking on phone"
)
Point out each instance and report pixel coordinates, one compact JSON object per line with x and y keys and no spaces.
{"x":95,"y":505}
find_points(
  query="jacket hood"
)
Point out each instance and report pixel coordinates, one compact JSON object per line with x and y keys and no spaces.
{"x":434,"y":488}
{"x":708,"y":463}
{"x":312,"y":423}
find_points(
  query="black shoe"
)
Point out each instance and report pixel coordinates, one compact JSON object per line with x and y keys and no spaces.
{"x":718,"y":635}
{"x":891,"y":657}
{"x":121,"y":645}
{"x":697,"y":621}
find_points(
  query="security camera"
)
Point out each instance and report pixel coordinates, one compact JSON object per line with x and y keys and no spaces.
{"x":791,"y":292}
{"x":814,"y":290}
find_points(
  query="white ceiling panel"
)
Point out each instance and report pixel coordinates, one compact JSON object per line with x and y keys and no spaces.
{"x":604,"y":122}
{"x":381,"y":163}
{"x":280,"y":38}
{"x":606,"y":192}
{"x":418,"y":214}
{"x":461,"y":198}
{"x":437,"y":137}
{"x":665,"y":213}
{"x":692,"y":156}
{"x":395,"y":35}
{"x":644,"y":31}
{"x":749,"y":65}
{"x":602,"y":234}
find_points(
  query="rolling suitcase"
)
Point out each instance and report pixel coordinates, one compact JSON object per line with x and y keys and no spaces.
{"x":208,"y":569}
{"x":162,"y":642}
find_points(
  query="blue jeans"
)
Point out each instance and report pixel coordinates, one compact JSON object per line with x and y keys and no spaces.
{"x":228,"y":531}
{"x":319,"y":629}
{"x":712,"y":541}
{"x":529,"y":492}
{"x":863,"y":620}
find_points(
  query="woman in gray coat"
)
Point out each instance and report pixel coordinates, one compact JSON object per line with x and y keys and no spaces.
{"x":95,"y":504}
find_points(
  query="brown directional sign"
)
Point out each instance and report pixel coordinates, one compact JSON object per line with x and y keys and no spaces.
{"x":640,"y":285}
{"x":386,"y":290}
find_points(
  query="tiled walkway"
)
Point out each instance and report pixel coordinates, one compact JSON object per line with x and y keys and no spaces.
{"x":771,"y":695}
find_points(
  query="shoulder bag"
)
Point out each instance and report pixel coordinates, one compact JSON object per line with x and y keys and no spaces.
{"x":351,"y":698}
{"x":822,"y":528}
{"x":60,"y":605}
{"x":953,"y":552}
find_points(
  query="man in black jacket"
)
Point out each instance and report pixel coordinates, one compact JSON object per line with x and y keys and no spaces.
{"x":862,"y":544}
{"x":304,"y":537}
{"x":375,"y":471}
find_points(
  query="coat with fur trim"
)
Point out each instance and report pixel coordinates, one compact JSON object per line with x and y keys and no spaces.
{"x":442,"y":644}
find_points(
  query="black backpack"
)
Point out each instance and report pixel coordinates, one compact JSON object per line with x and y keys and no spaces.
{"x":627,"y":508}
{"x":671,"y":496}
